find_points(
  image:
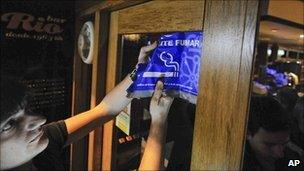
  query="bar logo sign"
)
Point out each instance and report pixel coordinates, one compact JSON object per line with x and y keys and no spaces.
{"x":26,"y":26}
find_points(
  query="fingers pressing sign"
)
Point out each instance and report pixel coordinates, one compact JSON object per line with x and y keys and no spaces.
{"x":144,"y":51}
{"x":160,"y":105}
{"x":158,"y":91}
{"x":148,"y":48}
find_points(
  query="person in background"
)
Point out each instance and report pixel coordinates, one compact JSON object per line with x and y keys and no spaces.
{"x":288,"y":97}
{"x":259,"y":89}
{"x":298,"y":130}
{"x":27,"y":144}
{"x":268,"y":146}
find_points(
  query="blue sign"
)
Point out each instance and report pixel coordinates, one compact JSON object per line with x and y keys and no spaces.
{"x":176,"y":60}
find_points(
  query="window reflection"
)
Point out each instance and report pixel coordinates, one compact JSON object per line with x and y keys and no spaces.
{"x":275,"y":134}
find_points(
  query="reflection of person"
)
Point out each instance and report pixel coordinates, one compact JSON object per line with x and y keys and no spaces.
{"x":23,"y":138}
{"x":268,"y":146}
{"x":298,"y":115}
{"x":259,"y":89}
{"x":288,"y":97}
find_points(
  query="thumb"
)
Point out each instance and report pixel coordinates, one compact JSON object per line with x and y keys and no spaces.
{"x":158,"y":90}
{"x":149,"y":48}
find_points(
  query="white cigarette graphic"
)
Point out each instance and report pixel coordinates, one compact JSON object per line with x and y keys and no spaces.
{"x":167,"y":58}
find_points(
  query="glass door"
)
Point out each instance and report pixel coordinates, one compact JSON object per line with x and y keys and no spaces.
{"x":126,"y":136}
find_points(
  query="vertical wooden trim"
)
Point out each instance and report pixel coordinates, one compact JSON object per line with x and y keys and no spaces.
{"x":221,"y":113}
{"x":94,"y":87}
{"x":110,"y":84}
{"x":248,"y":62}
{"x":101,"y":84}
{"x":73,"y":101}
{"x":98,"y":86}
{"x":264,"y":7}
{"x":80,"y":103}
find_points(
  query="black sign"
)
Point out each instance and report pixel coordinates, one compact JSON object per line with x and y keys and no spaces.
{"x":37,"y":46}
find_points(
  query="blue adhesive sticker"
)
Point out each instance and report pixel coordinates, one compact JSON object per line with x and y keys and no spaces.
{"x":176,"y":60}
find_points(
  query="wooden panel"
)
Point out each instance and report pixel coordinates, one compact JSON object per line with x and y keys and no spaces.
{"x":82,"y":77}
{"x":80,"y":103}
{"x":98,"y":85}
{"x":162,"y":16}
{"x":88,"y":7}
{"x":101,"y":84}
{"x":91,"y":157}
{"x":219,"y":131}
{"x":110,"y":84}
{"x":247,"y":65}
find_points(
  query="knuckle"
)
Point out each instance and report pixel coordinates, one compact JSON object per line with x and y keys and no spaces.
{"x":155,"y":98}
{"x":143,"y":49}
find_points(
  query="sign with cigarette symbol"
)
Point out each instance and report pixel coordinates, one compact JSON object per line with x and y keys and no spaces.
{"x":167,"y":58}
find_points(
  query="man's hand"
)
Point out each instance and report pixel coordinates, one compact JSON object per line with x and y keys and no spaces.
{"x":159,"y":105}
{"x":144,"y":52}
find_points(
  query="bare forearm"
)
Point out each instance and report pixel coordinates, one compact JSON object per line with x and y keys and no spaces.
{"x":80,"y":125}
{"x":153,"y":155}
{"x":115,"y":101}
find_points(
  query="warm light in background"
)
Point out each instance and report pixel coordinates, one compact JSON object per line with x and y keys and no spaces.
{"x":132,"y":37}
{"x":274,"y":30}
{"x":268,"y":52}
{"x":280,"y":52}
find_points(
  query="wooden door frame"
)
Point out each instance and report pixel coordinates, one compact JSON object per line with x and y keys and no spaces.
{"x":224,"y":88}
{"x":201,"y":156}
{"x":120,"y":24}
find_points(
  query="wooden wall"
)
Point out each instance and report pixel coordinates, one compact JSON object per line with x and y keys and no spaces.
{"x":83,"y":8}
{"x":221,"y":113}
{"x":161,"y":16}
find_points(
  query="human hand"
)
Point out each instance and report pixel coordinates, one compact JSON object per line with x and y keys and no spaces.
{"x":159,"y":105}
{"x":144,"y":51}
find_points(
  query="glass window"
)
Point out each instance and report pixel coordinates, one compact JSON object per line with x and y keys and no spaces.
{"x":275,"y":134}
{"x":132,"y":125}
